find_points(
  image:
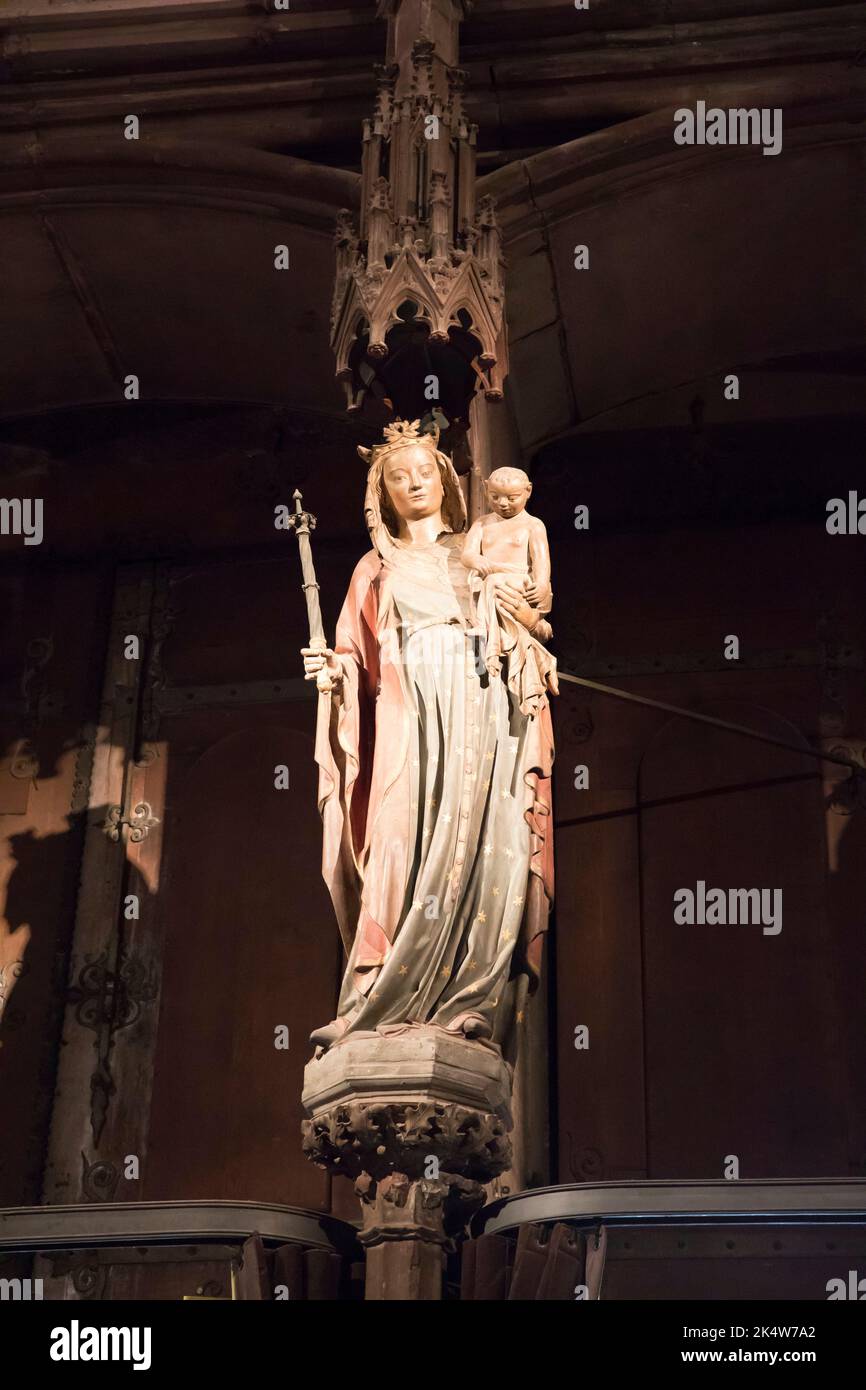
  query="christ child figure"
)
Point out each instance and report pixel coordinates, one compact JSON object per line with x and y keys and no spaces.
{"x":508,"y":543}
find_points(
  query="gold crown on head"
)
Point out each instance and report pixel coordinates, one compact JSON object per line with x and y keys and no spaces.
{"x":403,"y":432}
{"x":397,"y":435}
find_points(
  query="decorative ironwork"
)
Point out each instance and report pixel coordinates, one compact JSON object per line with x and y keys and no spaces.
{"x":107,"y":1002}
{"x":88,"y":1279}
{"x":99,"y":995}
{"x":99,"y":1180}
{"x":849,"y":795}
{"x":141,"y":821}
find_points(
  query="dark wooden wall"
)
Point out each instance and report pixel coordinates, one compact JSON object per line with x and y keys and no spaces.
{"x":706,"y":1040}
{"x":156,"y":1038}
{"x":245,"y":916}
{"x":52,"y":633}
{"x":706,"y":518}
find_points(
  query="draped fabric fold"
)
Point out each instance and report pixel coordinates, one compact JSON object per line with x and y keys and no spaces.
{"x":530,"y":667}
{"x":435,"y":798}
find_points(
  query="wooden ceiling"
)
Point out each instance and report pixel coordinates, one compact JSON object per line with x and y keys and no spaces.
{"x":540,"y":72}
{"x":155,"y":257}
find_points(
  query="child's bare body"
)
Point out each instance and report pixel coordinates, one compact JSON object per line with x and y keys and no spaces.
{"x":509,"y":543}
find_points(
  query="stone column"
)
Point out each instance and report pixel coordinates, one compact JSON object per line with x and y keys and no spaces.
{"x":419,"y":1120}
{"x":495,"y":444}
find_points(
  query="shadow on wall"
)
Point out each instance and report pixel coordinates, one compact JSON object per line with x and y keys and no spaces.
{"x":37,"y":915}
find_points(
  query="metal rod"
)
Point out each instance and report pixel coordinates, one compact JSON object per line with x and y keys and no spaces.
{"x":709,"y":719}
{"x":702,"y":795}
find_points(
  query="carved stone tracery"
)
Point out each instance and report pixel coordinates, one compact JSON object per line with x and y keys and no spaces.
{"x":431,"y":1210}
{"x":420,"y":1120}
{"x":424,"y":253}
{"x":381,"y":1137}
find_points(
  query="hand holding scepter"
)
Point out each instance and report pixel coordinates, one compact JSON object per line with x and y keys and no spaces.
{"x":320,"y":663}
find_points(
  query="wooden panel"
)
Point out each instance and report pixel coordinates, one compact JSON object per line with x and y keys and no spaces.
{"x":741,"y":1024}
{"x":788,"y":1082}
{"x":51,"y":649}
{"x":846,"y":896}
{"x":729,"y":1262}
{"x":597,"y":952}
{"x":250,"y":944}
{"x":100,"y":1107}
{"x":169,"y":1280}
{"x":234,"y":933}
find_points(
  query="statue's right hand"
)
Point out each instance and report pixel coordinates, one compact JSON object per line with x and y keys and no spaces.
{"x":318,"y":660}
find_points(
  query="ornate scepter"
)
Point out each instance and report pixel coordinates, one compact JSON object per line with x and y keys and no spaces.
{"x":302,"y":523}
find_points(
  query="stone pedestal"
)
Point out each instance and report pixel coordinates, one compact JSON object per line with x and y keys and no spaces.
{"x":419,"y":1119}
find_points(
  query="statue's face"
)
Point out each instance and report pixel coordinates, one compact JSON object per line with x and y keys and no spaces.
{"x":507,"y":496}
{"x":413,"y":483}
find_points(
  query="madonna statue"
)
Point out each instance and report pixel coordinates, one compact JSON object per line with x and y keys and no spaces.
{"x":434,"y":787}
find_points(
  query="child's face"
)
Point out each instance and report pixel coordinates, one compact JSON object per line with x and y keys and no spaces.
{"x":507,"y":499}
